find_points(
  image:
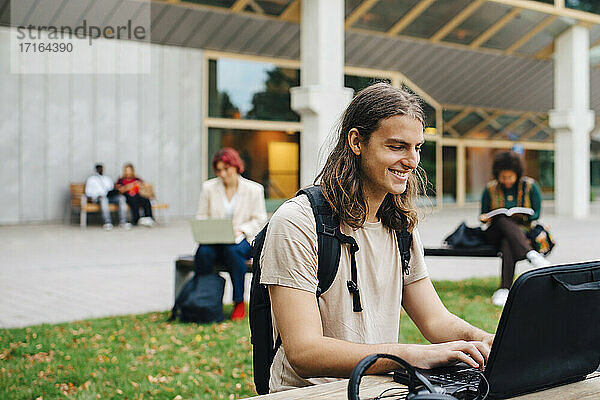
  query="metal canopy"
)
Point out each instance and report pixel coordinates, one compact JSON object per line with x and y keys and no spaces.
{"x":492,"y":54}
{"x":516,"y":75}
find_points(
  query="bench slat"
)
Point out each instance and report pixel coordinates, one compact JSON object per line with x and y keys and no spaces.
{"x":483,"y":251}
{"x":187,"y":262}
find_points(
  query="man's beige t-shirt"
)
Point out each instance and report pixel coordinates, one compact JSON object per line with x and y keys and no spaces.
{"x":289,"y":258}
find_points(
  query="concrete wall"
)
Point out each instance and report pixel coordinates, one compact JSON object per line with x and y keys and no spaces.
{"x":55,"y":127}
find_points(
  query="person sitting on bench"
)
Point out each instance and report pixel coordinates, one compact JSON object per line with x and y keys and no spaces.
{"x":510,"y":188}
{"x":230,"y":195}
{"x":100,"y":189}
{"x":129,"y":186}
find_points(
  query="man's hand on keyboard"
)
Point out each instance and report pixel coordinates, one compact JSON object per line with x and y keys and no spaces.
{"x":472,"y":353}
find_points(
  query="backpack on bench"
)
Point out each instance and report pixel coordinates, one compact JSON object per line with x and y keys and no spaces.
{"x":330,"y":240}
{"x":200,"y":300}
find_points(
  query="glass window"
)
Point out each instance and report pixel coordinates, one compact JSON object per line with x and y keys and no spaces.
{"x":500,"y":123}
{"x":428,"y":165}
{"x":271,"y":157}
{"x":595,"y":169}
{"x":485,"y":132}
{"x":542,"y":136}
{"x":539,"y":164}
{"x":250,"y":90}
{"x":384,"y":14}
{"x":435,"y":17}
{"x":506,"y":119}
{"x":523,"y":128}
{"x":216,"y":3}
{"x":449,"y":170}
{"x":477,"y":23}
{"x":516,"y":132}
{"x":595,"y":179}
{"x":592,"y":6}
{"x":479,"y":171}
{"x":273,"y":7}
{"x":428,"y":109}
{"x":447,"y":115}
{"x":428,"y":153}
{"x":467,"y":123}
{"x":430,"y":115}
{"x":358,"y":83}
{"x":515,"y":29}
{"x":595,"y":55}
{"x":350,"y":5}
{"x":545,"y":37}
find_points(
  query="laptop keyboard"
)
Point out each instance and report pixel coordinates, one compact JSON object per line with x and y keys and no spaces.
{"x":457,"y":378}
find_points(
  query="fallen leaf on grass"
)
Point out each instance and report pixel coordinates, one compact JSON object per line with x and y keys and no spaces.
{"x":40,"y":357}
{"x":159,"y":379}
{"x":66,"y":388}
{"x":177,"y":370}
{"x":175,"y":340}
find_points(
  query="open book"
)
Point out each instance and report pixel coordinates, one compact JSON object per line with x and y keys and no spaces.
{"x":509,"y":212}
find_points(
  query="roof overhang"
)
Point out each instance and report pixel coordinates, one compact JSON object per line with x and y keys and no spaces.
{"x":448,"y":72}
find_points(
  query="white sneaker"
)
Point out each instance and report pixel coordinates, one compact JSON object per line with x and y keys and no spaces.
{"x":126,"y":226}
{"x":499,"y":297}
{"x":147,"y":221}
{"x":108,"y":227}
{"x":536,"y":259}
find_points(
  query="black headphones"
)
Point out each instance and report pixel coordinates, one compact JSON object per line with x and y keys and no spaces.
{"x":428,"y":392}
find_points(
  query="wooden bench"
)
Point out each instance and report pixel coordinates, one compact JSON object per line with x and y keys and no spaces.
{"x":184,"y":265}
{"x":184,"y":268}
{"x":81,"y":202}
{"x":482,"y":251}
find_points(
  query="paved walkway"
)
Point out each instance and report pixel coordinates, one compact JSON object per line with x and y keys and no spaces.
{"x":54,"y":273}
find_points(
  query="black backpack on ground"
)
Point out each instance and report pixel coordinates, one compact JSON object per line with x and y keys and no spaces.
{"x":330,"y":239}
{"x":200,"y":300}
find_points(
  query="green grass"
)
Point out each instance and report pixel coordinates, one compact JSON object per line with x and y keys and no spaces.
{"x":146,"y":357}
{"x":469,"y":299}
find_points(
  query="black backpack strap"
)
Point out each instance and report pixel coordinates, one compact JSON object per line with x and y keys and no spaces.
{"x":404,"y":238}
{"x":329,"y":240}
{"x":353,"y":284}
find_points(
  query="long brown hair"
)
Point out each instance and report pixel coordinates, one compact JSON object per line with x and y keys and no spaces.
{"x":341,"y":179}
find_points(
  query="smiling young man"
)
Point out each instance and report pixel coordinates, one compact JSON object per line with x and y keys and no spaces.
{"x":370,"y":181}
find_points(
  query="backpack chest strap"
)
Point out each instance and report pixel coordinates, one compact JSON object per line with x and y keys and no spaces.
{"x":352,"y":284}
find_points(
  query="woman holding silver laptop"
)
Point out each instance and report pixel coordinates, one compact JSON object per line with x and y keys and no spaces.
{"x":234,"y":197}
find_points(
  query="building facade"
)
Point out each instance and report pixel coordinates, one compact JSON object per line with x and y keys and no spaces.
{"x":221,"y":74}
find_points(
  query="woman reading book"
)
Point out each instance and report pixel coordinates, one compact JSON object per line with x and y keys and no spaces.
{"x":510,"y":189}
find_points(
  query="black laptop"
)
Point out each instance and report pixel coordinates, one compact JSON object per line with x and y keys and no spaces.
{"x":548,"y":335}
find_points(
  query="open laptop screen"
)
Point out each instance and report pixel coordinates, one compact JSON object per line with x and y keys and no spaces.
{"x":549,"y":331}
{"x":213,"y":231}
{"x":548,"y":334}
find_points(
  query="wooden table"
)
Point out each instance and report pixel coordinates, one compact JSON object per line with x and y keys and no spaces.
{"x":372,"y":386}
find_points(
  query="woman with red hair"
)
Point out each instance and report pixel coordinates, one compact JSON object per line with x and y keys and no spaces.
{"x":230,"y":195}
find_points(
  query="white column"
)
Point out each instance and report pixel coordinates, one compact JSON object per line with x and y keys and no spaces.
{"x":321,"y":98}
{"x":572,"y":120}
